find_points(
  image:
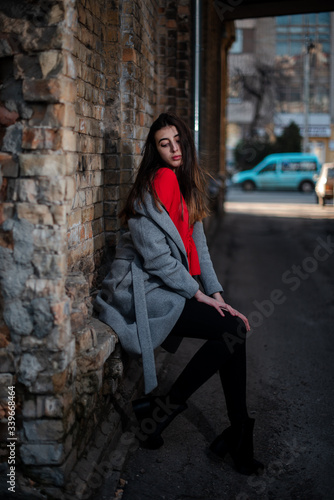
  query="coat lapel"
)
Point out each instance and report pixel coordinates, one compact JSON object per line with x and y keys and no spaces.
{"x":164,"y":221}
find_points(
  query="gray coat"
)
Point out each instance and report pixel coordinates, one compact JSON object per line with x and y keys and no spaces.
{"x":145,"y":291}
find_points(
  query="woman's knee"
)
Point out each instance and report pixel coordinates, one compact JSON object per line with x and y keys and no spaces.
{"x":234,"y":337}
{"x":235,"y":326}
{"x":240,"y":328}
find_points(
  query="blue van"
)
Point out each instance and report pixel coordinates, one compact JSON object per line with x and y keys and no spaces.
{"x":280,"y":171}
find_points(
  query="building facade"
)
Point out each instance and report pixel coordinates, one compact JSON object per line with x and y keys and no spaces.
{"x":269,"y":57}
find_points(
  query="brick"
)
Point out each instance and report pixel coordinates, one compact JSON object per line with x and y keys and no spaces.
{"x":6,"y":241}
{"x":7,"y":117}
{"x":110,"y":208}
{"x":98,"y":178}
{"x":42,"y":287}
{"x":59,"y":214}
{"x":70,"y":190}
{"x":68,"y":140}
{"x":86,"y":340}
{"x":27,"y":190}
{"x":68,"y":114}
{"x":74,"y":218}
{"x":49,"y":239}
{"x":97,"y":227}
{"x":49,"y":266}
{"x":82,"y":13}
{"x":6,"y":361}
{"x":89,"y":230}
{"x":129,"y":55}
{"x":42,"y":454}
{"x":8,"y":45}
{"x":43,"y":430}
{"x":47,"y":165}
{"x":51,"y":64}
{"x":56,"y":14}
{"x":40,"y":39}
{"x":78,"y":254}
{"x":4,"y":336}
{"x":27,"y":66}
{"x":51,"y":190}
{"x":36,"y":214}
{"x":50,"y":90}
{"x":111,"y":17}
{"x":6,"y":211}
{"x":78,"y":320}
{"x":111,"y":177}
{"x":73,"y":237}
{"x":87,"y":214}
{"x":76,"y":287}
{"x":60,"y":311}
{"x":53,"y":115}
{"x":95,"y":359}
{"x":40,"y":138}
{"x":43,"y":406}
{"x":111,"y":224}
{"x":97,"y":194}
{"x":4,"y":190}
{"x":99,"y":241}
{"x":89,"y":196}
{"x":98,"y":210}
{"x":8,"y":166}
{"x":6,"y":380}
{"x":111,"y":193}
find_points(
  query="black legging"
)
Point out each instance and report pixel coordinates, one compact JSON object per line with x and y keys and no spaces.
{"x":224,"y":351}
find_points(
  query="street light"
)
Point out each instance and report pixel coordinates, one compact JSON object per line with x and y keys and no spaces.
{"x":309,"y":46}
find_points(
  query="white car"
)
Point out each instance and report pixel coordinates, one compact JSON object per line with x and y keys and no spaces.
{"x":324,"y":188}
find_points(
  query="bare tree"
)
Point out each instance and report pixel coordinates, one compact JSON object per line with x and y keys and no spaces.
{"x":260,"y":88}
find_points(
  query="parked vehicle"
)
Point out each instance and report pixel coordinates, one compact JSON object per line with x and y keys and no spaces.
{"x":280,"y":171}
{"x":324,"y":188}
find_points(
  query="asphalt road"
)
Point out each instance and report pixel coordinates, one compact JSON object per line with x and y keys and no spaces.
{"x":274,"y":253}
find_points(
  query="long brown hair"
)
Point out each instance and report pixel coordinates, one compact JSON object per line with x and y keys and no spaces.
{"x":190,"y":175}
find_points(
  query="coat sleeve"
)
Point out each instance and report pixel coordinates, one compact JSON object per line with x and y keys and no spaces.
{"x":151,"y":244}
{"x":208,"y":275}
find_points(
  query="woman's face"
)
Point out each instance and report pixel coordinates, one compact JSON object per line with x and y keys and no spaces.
{"x":167,"y":141}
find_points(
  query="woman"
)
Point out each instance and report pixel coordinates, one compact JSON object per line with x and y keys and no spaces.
{"x":152,"y":295}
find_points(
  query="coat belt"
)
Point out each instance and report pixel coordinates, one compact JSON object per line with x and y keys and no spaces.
{"x":143,"y":326}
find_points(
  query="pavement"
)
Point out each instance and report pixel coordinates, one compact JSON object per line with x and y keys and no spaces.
{"x":279,"y":270}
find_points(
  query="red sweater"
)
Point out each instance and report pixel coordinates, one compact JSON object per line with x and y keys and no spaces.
{"x":168,"y":191}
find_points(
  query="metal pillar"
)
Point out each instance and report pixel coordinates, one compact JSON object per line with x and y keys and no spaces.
{"x":309,"y":47}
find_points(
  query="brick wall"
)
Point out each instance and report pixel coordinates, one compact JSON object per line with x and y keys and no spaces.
{"x":38,"y":162}
{"x":175,"y":56}
{"x":136,"y":107}
{"x":81,"y":82}
{"x":85,"y":221}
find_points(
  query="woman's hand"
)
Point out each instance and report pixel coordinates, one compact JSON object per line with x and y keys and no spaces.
{"x":217,"y":296}
{"x":201,"y":297}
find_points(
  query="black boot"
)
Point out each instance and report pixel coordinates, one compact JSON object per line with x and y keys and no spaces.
{"x":237,"y":440}
{"x":154,"y":414}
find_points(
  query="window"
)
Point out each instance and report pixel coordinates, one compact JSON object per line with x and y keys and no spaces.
{"x":244,"y":41}
{"x":237,"y":46}
{"x":324,"y":18}
{"x":299,"y":166}
{"x":292,"y":34}
{"x":271,"y":167}
{"x":282,"y":20}
{"x":330,"y":173}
